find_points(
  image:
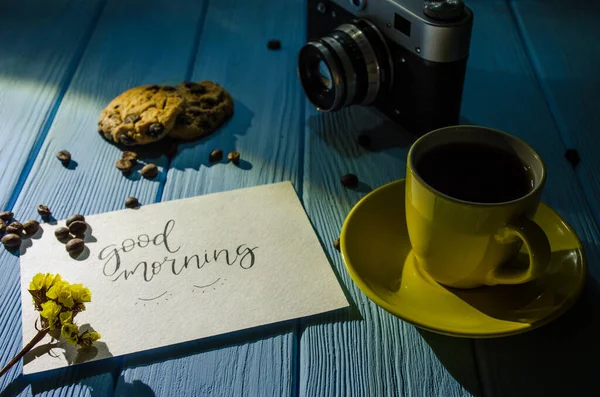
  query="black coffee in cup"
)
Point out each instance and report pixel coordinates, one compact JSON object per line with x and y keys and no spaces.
{"x":475,"y":172}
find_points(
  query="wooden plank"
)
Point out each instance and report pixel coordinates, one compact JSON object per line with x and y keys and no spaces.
{"x":557,"y":37}
{"x":41,"y":44}
{"x":266,"y":129}
{"x":502,"y":92}
{"x":125,"y":50}
{"x":367,"y":351}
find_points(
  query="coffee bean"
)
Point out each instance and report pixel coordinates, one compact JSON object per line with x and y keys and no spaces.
{"x":132,"y":118}
{"x":216,"y":155}
{"x":336,"y":244}
{"x":274,"y":44}
{"x":234,"y":157}
{"x":64,"y":156}
{"x":131,"y":156}
{"x":124,"y":166}
{"x":131,"y":202}
{"x":77,"y":228}
{"x":74,"y":218}
{"x":61,"y":233}
{"x":364,"y":140}
{"x":15,"y":228}
{"x":75,"y":246}
{"x":2,"y":226}
{"x":44,"y":211}
{"x":31,"y":226}
{"x":349,"y":180}
{"x":149,"y":171}
{"x":155,"y":130}
{"x":6,"y":216}
{"x":11,"y":240}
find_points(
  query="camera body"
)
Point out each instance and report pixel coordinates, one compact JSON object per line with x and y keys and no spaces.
{"x":391,"y":54}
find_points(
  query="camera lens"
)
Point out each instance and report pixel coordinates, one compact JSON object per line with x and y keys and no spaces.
{"x":350,"y":65}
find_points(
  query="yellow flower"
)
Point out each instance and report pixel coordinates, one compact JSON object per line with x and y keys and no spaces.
{"x":41,"y":281}
{"x":88,"y":337}
{"x":80,"y":294}
{"x":62,"y":292}
{"x":71,"y":333}
{"x":66,"y":317}
{"x":50,"y":310}
{"x":38,"y":282}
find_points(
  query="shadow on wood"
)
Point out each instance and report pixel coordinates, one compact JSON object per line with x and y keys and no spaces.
{"x":554,"y":360}
{"x":383,"y":133}
{"x":455,"y":357}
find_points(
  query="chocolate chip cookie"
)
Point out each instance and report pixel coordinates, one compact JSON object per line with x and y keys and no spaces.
{"x":208,"y":107}
{"x":141,"y":115}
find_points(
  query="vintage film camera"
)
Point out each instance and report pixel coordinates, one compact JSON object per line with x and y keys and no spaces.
{"x":405,"y":57}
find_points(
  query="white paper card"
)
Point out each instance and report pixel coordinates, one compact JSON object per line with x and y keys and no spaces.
{"x":183,"y":270}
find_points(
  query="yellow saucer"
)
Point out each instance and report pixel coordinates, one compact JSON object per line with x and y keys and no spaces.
{"x":377,"y":253}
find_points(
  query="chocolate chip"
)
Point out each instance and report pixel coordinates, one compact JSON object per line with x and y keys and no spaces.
{"x":349,"y":180}
{"x":188,"y":84}
{"x":149,"y":171}
{"x":2,"y":226}
{"x":194,"y":112}
{"x":216,"y":155}
{"x":11,"y":241}
{"x":195,"y":103}
{"x":78,"y":228}
{"x":364,"y":140}
{"x":125,"y":139}
{"x":208,"y":102}
{"x":336,"y":244}
{"x":155,"y":130}
{"x":199,"y":90}
{"x":61,"y":233}
{"x":6,"y":216}
{"x":572,"y":157}
{"x":75,"y":246}
{"x":131,"y":202}
{"x":31,"y":226}
{"x":274,"y":44}
{"x":167,"y":88}
{"x":130,"y":156}
{"x":74,"y":218}
{"x":234,"y":157}
{"x":44,"y":211}
{"x":15,"y":228}
{"x":116,"y":106}
{"x":131,"y":118}
{"x":153,"y":87}
{"x":64,"y":156}
{"x":184,"y":119}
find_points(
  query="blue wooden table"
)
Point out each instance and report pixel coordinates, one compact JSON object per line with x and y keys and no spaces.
{"x":533,"y":72}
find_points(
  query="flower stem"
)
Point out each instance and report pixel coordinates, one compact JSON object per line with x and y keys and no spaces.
{"x":36,"y":339}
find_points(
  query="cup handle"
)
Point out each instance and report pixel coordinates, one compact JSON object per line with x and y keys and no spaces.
{"x":538,"y":247}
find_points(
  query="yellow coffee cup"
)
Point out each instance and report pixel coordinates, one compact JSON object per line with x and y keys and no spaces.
{"x":471,"y":193}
